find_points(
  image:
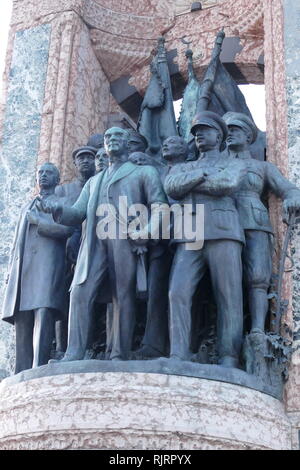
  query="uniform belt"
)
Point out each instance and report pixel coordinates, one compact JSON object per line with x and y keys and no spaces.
{"x":247,"y":194}
{"x":207,"y":198}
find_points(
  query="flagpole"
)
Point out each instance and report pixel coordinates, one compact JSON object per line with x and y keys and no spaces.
{"x":209,"y":78}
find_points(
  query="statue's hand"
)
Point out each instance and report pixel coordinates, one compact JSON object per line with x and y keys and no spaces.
{"x":137,"y":236}
{"x":32,"y":218}
{"x":290,"y":206}
{"x":49,"y":206}
{"x":140,"y":250}
{"x":202,"y":174}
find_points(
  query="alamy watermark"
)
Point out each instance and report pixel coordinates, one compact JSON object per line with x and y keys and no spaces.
{"x":159,"y":222}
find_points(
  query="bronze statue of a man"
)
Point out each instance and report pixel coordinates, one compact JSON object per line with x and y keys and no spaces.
{"x":36,"y":289}
{"x":116,"y":256}
{"x":136,"y":142}
{"x":101,"y":160}
{"x":155,"y":341}
{"x":137,"y":146}
{"x":261,"y":177}
{"x":84,"y":162}
{"x":209,"y":181}
{"x":96,"y":141}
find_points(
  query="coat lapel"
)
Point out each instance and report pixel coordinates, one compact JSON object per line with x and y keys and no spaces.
{"x":123,"y":171}
{"x":87,"y":246}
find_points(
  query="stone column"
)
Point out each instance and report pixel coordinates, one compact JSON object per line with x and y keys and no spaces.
{"x":276,"y":120}
{"x":291,"y":17}
{"x":282,"y":74}
{"x":20,"y":143}
{"x":56,"y":95}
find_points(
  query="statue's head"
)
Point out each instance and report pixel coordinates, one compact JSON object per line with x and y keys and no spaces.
{"x":84,"y":160}
{"x":47,"y":176}
{"x":242,"y":131}
{"x":96,"y":141}
{"x":116,"y":142}
{"x":136,"y":142}
{"x":140,"y":158}
{"x":101,"y":160}
{"x":175,"y":148}
{"x":210,"y":131}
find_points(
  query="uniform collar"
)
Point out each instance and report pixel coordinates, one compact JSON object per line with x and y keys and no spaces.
{"x":210,"y":155}
{"x":245,"y":154}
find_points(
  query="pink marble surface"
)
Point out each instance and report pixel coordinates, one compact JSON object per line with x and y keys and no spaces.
{"x":276,"y":117}
{"x":239,"y":18}
{"x":77,"y":93}
{"x":124,"y":33}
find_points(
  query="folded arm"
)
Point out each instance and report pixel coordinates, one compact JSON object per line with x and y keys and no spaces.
{"x":54,"y":230}
{"x":225,"y":181}
{"x":217,"y":182}
{"x":180,"y":182}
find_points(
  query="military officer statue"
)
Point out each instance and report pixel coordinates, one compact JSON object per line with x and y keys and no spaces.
{"x":209,"y":181}
{"x":261,"y":177}
{"x":84,"y":162}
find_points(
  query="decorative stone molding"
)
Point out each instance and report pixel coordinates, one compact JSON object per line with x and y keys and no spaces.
{"x":240,"y":19}
{"x":77,"y":94}
{"x":124,"y":33}
{"x":138,"y":411}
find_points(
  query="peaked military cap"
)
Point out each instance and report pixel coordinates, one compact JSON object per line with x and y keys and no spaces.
{"x":243,"y":121}
{"x":96,"y":140}
{"x":134,"y":134}
{"x":210,"y":119}
{"x":84,"y":149}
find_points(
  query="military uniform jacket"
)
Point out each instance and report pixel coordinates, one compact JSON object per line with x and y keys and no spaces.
{"x":37,"y":266}
{"x":140,"y":184}
{"x":261,"y":176}
{"x":223,"y":177}
{"x":70,"y":191}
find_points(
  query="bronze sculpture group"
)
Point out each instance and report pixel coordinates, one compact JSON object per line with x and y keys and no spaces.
{"x":138,"y":271}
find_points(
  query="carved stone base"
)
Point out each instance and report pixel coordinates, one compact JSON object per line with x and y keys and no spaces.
{"x":118,"y":410}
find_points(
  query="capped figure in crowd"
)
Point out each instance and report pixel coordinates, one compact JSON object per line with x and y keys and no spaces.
{"x":209,"y":181}
{"x":84,"y":162}
{"x":261,"y":177}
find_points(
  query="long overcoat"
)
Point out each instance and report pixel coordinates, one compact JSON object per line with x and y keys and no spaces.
{"x":140,"y":184}
{"x":37,"y":266}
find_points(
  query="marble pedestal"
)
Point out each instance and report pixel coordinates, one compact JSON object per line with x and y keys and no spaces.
{"x":125,"y":410}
